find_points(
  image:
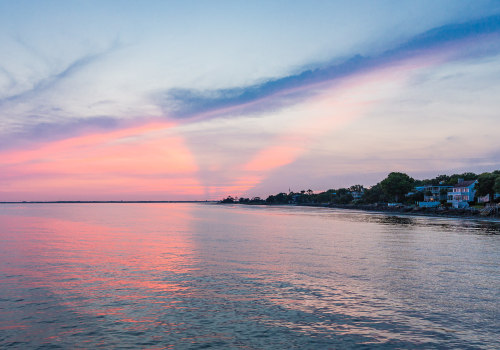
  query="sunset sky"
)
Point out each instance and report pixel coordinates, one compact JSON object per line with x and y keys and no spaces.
{"x":159,"y":100}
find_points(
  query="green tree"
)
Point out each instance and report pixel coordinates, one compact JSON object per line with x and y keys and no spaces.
{"x":396,"y":185}
{"x":324,"y":197}
{"x":342,"y":196}
{"x":271,"y":199}
{"x":496,"y":187}
{"x":282,"y":198}
{"x":229,"y":199}
{"x":415,"y":197}
{"x":465,"y":176}
{"x":485,"y":184}
{"x":374,"y":194}
{"x":440,"y":179}
{"x":356,"y":188}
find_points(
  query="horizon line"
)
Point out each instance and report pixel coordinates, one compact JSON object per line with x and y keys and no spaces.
{"x":121,"y":201}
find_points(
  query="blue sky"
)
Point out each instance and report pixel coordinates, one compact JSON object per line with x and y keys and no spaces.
{"x":317,"y":94}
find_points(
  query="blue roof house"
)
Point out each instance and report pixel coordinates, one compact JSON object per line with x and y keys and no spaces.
{"x":463,"y":193}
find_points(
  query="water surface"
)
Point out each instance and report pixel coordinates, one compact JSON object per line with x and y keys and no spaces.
{"x":161,"y":276}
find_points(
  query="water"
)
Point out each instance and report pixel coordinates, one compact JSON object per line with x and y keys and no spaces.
{"x":191,"y":276}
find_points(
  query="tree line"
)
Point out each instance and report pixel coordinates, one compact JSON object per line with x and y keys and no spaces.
{"x":396,"y":187}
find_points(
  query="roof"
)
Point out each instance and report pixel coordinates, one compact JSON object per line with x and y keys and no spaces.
{"x":465,"y":183}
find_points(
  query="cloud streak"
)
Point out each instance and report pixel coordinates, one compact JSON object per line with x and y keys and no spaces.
{"x":50,"y":81}
{"x":276,"y":93}
{"x":47,"y":131}
{"x":190,"y":105}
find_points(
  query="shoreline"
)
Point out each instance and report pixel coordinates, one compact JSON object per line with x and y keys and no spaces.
{"x":444,"y":214}
{"x":449,"y":213}
{"x":453,"y":212}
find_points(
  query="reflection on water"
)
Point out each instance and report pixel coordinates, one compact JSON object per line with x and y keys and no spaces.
{"x":161,"y":276}
{"x":396,"y":220}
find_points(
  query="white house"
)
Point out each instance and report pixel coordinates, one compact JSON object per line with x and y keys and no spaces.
{"x":463,"y":193}
{"x":486,"y":199}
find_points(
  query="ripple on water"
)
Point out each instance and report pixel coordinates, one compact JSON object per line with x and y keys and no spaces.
{"x":195,"y":276}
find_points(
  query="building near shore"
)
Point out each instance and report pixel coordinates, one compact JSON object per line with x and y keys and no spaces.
{"x":433,"y":194}
{"x":463,"y":193}
{"x":487,"y":198}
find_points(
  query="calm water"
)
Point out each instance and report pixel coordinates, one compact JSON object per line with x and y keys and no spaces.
{"x":161,"y":276}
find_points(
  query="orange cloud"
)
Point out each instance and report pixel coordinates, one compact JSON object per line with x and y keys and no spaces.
{"x":136,"y":160}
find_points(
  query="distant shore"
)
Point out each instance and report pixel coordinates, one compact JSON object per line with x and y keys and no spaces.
{"x":77,"y":202}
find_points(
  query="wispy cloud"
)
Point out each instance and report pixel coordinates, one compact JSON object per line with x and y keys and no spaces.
{"x":275,"y":93}
{"x":46,"y":131}
{"x":46,"y":83}
{"x":191,"y":104}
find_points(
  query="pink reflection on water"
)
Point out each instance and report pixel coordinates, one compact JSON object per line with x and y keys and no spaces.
{"x":112,"y":269}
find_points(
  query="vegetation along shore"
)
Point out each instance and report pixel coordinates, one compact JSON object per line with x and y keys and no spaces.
{"x":458,"y":195}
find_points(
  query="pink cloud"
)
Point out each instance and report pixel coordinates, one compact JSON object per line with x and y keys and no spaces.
{"x":121,"y":163}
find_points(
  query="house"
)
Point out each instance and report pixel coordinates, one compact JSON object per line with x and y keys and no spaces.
{"x":463,"y":193}
{"x":483,"y":199}
{"x":486,"y":199}
{"x":433,"y":194}
{"x":436,"y":193}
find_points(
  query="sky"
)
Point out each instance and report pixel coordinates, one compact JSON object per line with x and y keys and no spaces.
{"x":198,"y":100}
